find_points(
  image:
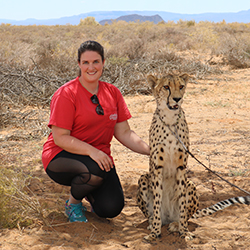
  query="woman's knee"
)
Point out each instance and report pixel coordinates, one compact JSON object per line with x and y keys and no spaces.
{"x":109,"y":209}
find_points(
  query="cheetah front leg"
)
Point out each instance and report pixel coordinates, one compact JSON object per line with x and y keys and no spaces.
{"x":155,"y":221}
{"x":181,"y":193}
{"x":144,"y":196}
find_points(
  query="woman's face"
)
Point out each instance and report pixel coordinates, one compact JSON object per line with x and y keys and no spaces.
{"x":91,"y":66}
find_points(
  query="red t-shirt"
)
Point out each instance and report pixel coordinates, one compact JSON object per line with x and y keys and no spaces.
{"x":72,"y":109}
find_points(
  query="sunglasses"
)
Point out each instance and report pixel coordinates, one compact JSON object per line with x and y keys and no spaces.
{"x":99,"y":109}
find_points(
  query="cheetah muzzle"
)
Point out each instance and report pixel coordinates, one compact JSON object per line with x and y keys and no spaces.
{"x":165,"y":195}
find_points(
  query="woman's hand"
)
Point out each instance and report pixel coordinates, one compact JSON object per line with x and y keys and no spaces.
{"x":102,"y":159}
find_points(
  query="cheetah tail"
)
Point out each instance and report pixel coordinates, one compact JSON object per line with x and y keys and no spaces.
{"x":221,"y":205}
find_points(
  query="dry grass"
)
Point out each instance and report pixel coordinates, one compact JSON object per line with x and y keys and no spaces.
{"x":19,"y":207}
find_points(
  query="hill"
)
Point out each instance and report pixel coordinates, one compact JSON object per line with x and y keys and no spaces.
{"x":133,"y":18}
{"x":240,"y":17}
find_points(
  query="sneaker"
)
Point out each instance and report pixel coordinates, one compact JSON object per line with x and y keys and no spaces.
{"x":75,"y":212}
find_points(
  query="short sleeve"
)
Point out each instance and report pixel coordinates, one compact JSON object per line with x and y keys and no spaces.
{"x":122,"y":109}
{"x":62,"y":112}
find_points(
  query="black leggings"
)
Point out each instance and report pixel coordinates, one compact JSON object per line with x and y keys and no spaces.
{"x":103,"y":189}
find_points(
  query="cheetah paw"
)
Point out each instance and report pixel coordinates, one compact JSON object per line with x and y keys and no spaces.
{"x":151,"y":237}
{"x":188,"y":236}
{"x":173,"y":227}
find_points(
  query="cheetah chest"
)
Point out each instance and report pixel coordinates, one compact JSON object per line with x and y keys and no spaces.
{"x":166,"y":151}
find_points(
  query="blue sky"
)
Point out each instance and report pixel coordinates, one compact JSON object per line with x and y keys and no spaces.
{"x":47,"y":9}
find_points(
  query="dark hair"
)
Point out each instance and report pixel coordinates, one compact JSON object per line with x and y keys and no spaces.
{"x":90,"y":46}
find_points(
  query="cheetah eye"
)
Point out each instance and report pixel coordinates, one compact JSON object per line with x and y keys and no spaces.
{"x":182,"y":86}
{"x":166,"y":87}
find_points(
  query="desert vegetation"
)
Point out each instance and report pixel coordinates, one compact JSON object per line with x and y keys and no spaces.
{"x":36,"y":60}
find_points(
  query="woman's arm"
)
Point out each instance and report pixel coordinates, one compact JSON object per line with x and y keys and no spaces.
{"x":130,"y":139}
{"x":64,"y":140}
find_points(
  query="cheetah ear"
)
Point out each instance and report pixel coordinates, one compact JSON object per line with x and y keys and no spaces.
{"x":185,"y":77}
{"x":152,"y":81}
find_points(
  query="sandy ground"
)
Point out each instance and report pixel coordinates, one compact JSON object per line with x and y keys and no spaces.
{"x":217,"y":110}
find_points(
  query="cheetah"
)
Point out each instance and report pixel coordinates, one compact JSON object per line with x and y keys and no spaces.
{"x":165,"y":195}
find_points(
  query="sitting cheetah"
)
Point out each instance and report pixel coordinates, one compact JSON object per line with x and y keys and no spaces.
{"x":165,"y":195}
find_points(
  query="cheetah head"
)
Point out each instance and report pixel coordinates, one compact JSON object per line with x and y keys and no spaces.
{"x":169,"y":90}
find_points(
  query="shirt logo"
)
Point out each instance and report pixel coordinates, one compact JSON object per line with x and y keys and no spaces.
{"x":113,"y":117}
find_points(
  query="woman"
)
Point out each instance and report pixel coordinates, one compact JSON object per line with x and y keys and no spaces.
{"x":85,"y":114}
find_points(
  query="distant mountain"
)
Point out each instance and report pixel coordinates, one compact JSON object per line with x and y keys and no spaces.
{"x":240,"y":17}
{"x":133,"y":18}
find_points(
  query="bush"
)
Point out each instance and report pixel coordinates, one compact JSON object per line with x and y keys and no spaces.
{"x":17,"y":207}
{"x":88,"y":21}
{"x":235,"y":51}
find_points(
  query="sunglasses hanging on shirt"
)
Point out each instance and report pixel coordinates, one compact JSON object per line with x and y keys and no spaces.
{"x":99,"y":109}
